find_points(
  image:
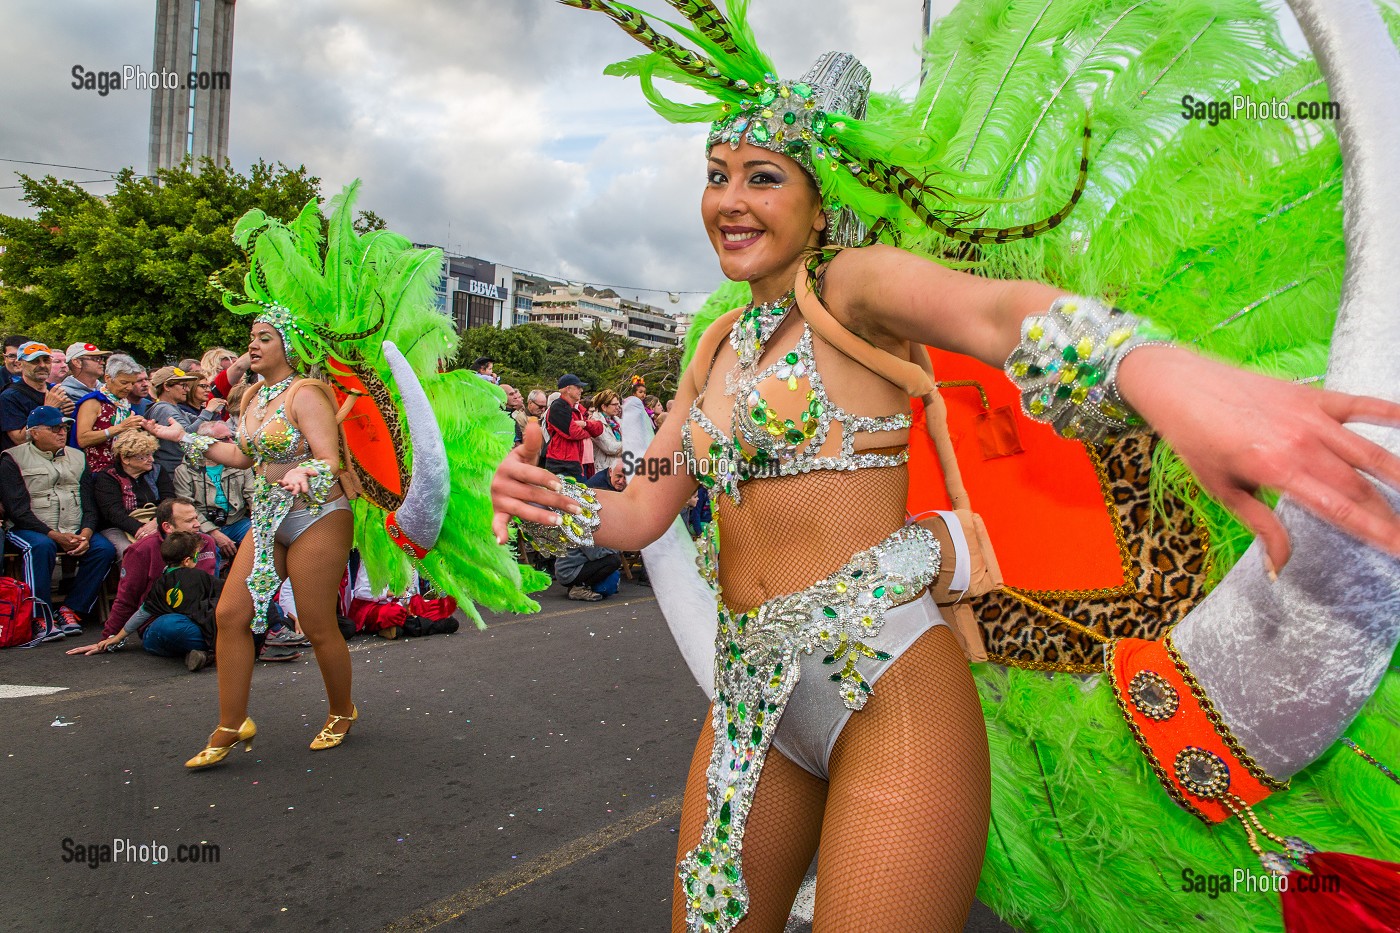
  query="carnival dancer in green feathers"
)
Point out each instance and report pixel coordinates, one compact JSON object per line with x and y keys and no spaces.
{"x":845,"y":717}
{"x":355,"y":439}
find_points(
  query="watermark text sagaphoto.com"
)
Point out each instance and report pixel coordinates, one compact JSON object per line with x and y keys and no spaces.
{"x":136,"y":78}
{"x":95,"y":854}
{"x":1242,"y":881}
{"x":1244,"y":107}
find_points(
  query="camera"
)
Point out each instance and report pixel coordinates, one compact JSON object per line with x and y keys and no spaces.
{"x":217,"y":515}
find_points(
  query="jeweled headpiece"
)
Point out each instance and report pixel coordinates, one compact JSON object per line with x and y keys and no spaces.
{"x":280,"y":320}
{"x":872,"y":173}
{"x":791,"y":117}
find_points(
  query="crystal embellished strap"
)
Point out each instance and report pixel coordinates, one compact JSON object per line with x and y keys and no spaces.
{"x":320,"y":481}
{"x":574,"y":530}
{"x":1066,"y":367}
{"x":195,"y":447}
{"x":756,"y":670}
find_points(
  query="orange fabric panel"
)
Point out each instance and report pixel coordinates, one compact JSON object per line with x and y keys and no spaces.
{"x":1188,"y":726}
{"x":1043,"y":507}
{"x":367,"y":434}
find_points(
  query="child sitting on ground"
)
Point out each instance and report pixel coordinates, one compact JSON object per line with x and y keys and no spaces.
{"x":177,"y":617}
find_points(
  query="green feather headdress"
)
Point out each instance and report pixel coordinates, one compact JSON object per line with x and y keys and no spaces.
{"x":876,"y":174}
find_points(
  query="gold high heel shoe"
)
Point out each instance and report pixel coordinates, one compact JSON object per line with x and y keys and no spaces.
{"x":328,"y":739}
{"x":214,"y":754}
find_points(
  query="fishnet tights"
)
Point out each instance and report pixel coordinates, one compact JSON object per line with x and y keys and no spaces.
{"x":315,"y":562}
{"x":902,"y":824}
{"x":757,"y":562}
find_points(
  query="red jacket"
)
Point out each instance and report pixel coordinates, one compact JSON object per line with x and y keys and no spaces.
{"x":568,"y":426}
{"x":141,"y":565}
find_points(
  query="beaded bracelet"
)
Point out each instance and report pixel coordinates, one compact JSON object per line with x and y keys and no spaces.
{"x":319,"y":482}
{"x":574,"y":530}
{"x":195,"y":447}
{"x":1066,"y":367}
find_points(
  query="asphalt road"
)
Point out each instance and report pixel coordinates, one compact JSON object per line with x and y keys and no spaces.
{"x":523,"y":778}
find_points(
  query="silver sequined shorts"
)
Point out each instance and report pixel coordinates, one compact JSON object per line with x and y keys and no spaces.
{"x":298,"y":520}
{"x":815,"y":714}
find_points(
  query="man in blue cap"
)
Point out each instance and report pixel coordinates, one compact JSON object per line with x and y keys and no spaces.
{"x":47,"y":493}
{"x":569,"y":427}
{"x":27,"y":394}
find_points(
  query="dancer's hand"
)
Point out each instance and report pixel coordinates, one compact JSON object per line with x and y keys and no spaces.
{"x":170,"y":431}
{"x":297,"y":481}
{"x":520,"y":488}
{"x":1241,"y":432}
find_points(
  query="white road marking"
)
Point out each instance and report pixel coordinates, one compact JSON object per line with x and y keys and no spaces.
{"x":806,"y":900}
{"x":15,"y":691}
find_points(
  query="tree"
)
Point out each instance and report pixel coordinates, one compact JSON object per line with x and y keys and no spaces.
{"x":130,"y":271}
{"x":365,"y":221}
{"x":518,"y":351}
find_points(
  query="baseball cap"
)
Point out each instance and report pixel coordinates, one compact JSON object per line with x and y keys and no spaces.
{"x":32,"y":350}
{"x":47,"y":416}
{"x":569,"y":379}
{"x":171,"y":374}
{"x":77,"y":351}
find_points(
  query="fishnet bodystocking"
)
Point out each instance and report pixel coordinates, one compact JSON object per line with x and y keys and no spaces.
{"x":906,"y":819}
{"x":315,"y":562}
{"x":791,"y":531}
{"x":902,"y":823}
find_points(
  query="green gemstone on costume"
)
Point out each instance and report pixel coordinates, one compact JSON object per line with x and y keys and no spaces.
{"x":1071,"y":355}
{"x":1062,"y":392}
{"x":724,"y":813}
{"x":802,"y":90}
{"x":789,"y":118}
{"x":759,"y":133}
{"x":734,"y":908}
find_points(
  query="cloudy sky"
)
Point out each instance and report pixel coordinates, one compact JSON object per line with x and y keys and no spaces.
{"x":484,"y":126}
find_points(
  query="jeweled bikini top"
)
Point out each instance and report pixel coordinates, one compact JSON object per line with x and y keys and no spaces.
{"x":276,"y":440}
{"x":761,"y":443}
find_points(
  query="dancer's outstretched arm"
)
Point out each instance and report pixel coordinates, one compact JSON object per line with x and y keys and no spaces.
{"x":1239,"y":432}
{"x":631,"y":519}
{"x":225,"y":453}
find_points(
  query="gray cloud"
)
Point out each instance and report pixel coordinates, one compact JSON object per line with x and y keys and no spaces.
{"x":484,"y":126}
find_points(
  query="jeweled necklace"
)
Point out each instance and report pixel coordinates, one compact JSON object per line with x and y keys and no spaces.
{"x":752,"y":330}
{"x":266,"y":393}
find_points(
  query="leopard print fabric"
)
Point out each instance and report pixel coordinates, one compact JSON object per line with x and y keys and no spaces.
{"x":1165,"y":555}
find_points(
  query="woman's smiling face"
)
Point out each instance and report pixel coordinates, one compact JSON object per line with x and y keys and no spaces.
{"x":761,"y":211}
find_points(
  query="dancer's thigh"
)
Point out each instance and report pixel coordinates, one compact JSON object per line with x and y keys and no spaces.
{"x":779,"y":841}
{"x":907,"y":811}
